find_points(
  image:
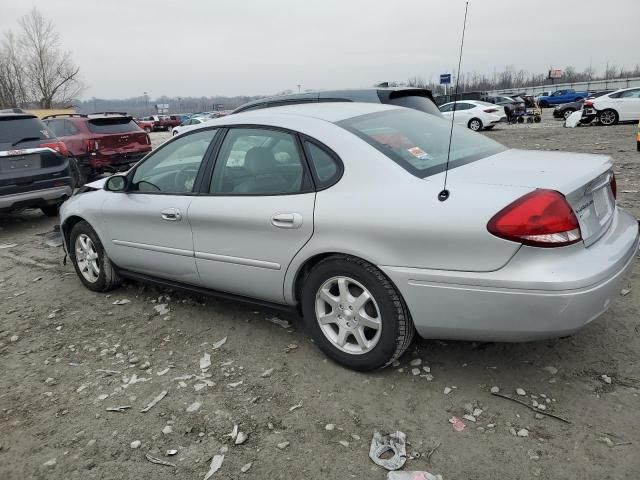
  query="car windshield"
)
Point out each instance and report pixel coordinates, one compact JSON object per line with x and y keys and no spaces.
{"x":113,"y":125}
{"x":419,"y":142}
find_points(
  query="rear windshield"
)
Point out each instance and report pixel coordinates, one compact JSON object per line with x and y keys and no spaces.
{"x":419,"y":142}
{"x":113,"y":125}
{"x":14,"y":129}
{"x":416,"y":102}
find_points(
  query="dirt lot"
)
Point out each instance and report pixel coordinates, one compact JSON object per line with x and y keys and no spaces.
{"x":68,"y":354}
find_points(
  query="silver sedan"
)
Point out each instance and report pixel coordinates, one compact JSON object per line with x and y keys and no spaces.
{"x":337,"y":210}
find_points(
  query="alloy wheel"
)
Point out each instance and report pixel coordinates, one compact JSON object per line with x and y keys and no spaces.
{"x":348,"y":315}
{"x":87,"y":258}
{"x":608,"y":117}
{"x":474,"y":125}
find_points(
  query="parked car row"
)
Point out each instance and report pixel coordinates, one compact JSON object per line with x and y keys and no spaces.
{"x":156,"y":123}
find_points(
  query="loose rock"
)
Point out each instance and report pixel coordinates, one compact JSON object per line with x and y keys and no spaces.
{"x":136,"y":444}
{"x":246,"y":467}
{"x":521,"y":392}
{"x":283,"y":445}
{"x":523,"y":432}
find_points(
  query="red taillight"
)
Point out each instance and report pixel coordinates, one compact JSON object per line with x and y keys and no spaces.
{"x":542,"y":218}
{"x":91,"y":145}
{"x":59,"y":147}
{"x":491,"y":110}
{"x":587,"y":103}
{"x":614,"y":185}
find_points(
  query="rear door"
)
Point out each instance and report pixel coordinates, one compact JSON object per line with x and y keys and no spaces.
{"x":256,"y":214}
{"x":148,"y":225}
{"x":628,"y":104}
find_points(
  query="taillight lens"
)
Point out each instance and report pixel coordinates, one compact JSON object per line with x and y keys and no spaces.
{"x":587,"y":103}
{"x":59,"y":147}
{"x":491,"y":110}
{"x":542,"y":218}
{"x":91,"y":145}
{"x":614,"y":185}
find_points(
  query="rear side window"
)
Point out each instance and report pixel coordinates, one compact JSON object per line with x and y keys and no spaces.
{"x":416,"y":102}
{"x":326,"y":167}
{"x":419,"y":142}
{"x":57,"y":127}
{"x":15,"y":129}
{"x":113,"y":125}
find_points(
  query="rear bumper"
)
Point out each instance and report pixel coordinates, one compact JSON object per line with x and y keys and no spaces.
{"x":540,"y":293}
{"x":116,"y":161}
{"x":35,"y":198}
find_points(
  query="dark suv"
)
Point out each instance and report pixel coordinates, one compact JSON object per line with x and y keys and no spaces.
{"x":416,"y":98}
{"x":34,"y":164}
{"x":101,"y":142}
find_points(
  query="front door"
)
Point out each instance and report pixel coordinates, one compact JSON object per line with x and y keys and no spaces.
{"x":148,"y":224}
{"x":628,"y":105}
{"x":256,"y":215}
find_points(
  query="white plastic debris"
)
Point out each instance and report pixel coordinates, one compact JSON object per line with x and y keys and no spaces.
{"x":279,"y":321}
{"x":267,"y":373}
{"x":135,"y":444}
{"x":234,"y":432}
{"x":158,"y":461}
{"x":161,"y":309}
{"x":246,"y":467}
{"x":216,"y":463}
{"x":219,"y":343}
{"x":124,"y":301}
{"x":447,"y":390}
{"x":50,"y":463}
{"x":14,"y":338}
{"x":471,"y":418}
{"x":477,"y":412}
{"x":344,"y":443}
{"x":606,"y":378}
{"x":235,"y":384}
{"x":162,"y":372}
{"x":241,"y":438}
{"x":495,"y":389}
{"x":155,"y":400}
{"x":194,"y":407}
{"x":381,"y":445}
{"x":7,"y":245}
{"x":171,"y":452}
{"x":296,"y":407}
{"x":283,"y":445}
{"x":521,"y":392}
{"x":205,"y":361}
{"x":414,"y":475}
{"x":415,"y":371}
{"x":624,"y":292}
{"x":329,"y":427}
{"x":523,"y":432}
{"x":573,"y":120}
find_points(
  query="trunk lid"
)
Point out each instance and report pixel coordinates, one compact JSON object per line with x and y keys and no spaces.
{"x":584,"y":179}
{"x":118,"y":134}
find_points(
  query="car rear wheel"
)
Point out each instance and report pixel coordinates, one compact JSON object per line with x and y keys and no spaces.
{"x":91,"y":262}
{"x":475,"y":124}
{"x":608,"y":117}
{"x":354,"y":314}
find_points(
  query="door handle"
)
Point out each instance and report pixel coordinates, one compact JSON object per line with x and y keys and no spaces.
{"x":171,"y":215}
{"x":287,"y":220}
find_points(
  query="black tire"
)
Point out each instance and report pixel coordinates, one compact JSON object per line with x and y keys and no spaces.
{"x":475,"y":124}
{"x":50,"y":210}
{"x":520,"y":119}
{"x":638,"y":146}
{"x":608,"y":117}
{"x":79,"y":173}
{"x":108,"y":279}
{"x":397,"y":328}
{"x":567,"y":113}
{"x":537,"y":118}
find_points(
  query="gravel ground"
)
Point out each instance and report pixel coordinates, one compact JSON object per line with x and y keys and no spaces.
{"x":68,"y":354}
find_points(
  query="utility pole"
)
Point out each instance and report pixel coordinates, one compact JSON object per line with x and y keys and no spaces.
{"x":146,"y":103}
{"x":299,"y":86}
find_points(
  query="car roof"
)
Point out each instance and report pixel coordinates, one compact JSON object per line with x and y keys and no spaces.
{"x":15,"y":113}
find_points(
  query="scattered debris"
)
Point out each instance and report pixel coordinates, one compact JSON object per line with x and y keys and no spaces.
{"x":163,"y":372}
{"x":329,"y":427}
{"x":606,"y":379}
{"x":415,"y":371}
{"x":344,"y":443}
{"x":14,"y":338}
{"x":551,"y":370}
{"x":469,"y":417}
{"x":205,"y":361}
{"x":171,"y":452}
{"x":611,"y":443}
{"x":458,"y":425}
{"x":267,"y":373}
{"x":158,"y":461}
{"x":145,"y":366}
{"x":234,"y":432}
{"x":523,"y":432}
{"x":50,"y":463}
{"x":124,"y":301}
{"x":235,"y":384}
{"x":521,"y":392}
{"x":279,"y":321}
{"x":161,"y":309}
{"x":241,"y":438}
{"x":109,"y":372}
{"x":381,"y":445}
{"x":290,"y":348}
{"x":7,"y":245}
{"x":135,"y":444}
{"x":416,"y":362}
{"x":246,"y":467}
{"x":624,"y":292}
{"x":447,"y":390}
{"x":219,"y":343}
{"x":296,"y":407}
{"x":557,"y":417}
{"x":412,"y":475}
{"x":283,"y":445}
{"x":167,"y":430}
{"x":432,"y":451}
{"x":121,"y":408}
{"x":216,"y":463}
{"x":194,"y":407}
{"x":155,"y":400}
{"x":495,"y":389}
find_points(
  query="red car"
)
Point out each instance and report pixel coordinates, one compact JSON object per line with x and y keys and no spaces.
{"x":100,"y":142}
{"x":146,"y":123}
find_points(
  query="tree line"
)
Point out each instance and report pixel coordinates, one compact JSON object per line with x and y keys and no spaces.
{"x":34,"y":68}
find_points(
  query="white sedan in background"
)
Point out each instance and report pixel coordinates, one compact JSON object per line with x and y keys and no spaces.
{"x":622,"y":105}
{"x":474,"y":114}
{"x":189,"y":123}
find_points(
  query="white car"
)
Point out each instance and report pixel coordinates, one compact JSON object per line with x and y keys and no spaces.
{"x":619,"y":106}
{"x":474,"y":114}
{"x":189,"y":123}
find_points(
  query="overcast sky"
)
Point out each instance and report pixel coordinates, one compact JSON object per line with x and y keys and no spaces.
{"x":248,"y":47}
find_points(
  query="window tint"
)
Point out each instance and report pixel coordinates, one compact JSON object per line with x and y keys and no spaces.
{"x":113,"y":125}
{"x":324,"y":165}
{"x":174,"y":167}
{"x":14,"y":129}
{"x":419,"y":142}
{"x":258,"y":162}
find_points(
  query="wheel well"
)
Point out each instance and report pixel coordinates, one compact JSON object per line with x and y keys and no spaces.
{"x":68,"y":225}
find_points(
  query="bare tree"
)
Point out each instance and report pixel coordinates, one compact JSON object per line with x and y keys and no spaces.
{"x":12,"y":78}
{"x":53,"y":78}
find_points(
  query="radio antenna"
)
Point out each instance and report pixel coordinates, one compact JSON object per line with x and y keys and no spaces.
{"x":444,"y":194}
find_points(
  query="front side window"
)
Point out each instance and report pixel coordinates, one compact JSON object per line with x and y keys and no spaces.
{"x":174,"y":167}
{"x":255,"y":161}
{"x":419,"y":142}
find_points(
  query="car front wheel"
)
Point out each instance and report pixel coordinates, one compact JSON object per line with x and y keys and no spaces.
{"x":354,"y":314}
{"x":91,"y":262}
{"x":475,"y":124}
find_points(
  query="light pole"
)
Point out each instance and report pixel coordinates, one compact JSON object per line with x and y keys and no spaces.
{"x":146,"y":103}
{"x":299,"y":86}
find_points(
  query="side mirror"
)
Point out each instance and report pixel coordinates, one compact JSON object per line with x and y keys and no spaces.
{"x":116,"y":183}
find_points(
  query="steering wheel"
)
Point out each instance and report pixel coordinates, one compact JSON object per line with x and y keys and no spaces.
{"x":185,"y":179}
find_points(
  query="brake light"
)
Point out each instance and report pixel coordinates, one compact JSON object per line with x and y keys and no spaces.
{"x":91,"y":145}
{"x":614,"y":185}
{"x":59,"y":147}
{"x":587,"y":103}
{"x":491,"y":110}
{"x":542,"y":218}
